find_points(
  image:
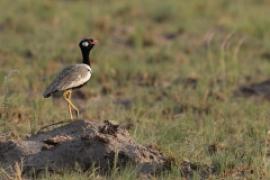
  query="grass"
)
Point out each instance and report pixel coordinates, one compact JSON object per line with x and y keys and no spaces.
{"x":176,"y":63}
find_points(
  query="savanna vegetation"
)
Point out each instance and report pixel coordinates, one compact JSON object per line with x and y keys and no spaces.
{"x":170,"y":70}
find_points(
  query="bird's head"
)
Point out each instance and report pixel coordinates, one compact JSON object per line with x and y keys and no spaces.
{"x":87,"y":43}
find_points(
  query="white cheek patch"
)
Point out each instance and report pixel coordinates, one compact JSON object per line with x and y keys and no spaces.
{"x":85,"y":43}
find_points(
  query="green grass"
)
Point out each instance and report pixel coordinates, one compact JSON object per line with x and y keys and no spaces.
{"x":147,"y":51}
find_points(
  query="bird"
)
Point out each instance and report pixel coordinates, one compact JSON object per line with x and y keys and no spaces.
{"x":73,"y":76}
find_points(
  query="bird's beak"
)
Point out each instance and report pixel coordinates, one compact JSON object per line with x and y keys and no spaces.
{"x":94,"y":42}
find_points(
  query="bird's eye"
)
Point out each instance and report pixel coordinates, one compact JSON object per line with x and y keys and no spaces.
{"x":85,"y":43}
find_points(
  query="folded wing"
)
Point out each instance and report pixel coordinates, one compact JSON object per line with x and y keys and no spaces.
{"x":69,"y":78}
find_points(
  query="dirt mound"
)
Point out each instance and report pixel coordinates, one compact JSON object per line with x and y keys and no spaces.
{"x":81,"y":143}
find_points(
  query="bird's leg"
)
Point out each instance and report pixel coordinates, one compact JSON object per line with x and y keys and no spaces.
{"x":71,"y":104}
{"x":66,"y":96}
{"x":70,"y":111}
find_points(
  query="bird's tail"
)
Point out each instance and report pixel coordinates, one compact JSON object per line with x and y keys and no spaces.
{"x":46,"y":94}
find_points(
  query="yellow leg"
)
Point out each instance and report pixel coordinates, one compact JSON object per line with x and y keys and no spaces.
{"x":70,"y":111}
{"x":72,"y":105}
{"x":68,"y":99}
{"x":66,"y":96}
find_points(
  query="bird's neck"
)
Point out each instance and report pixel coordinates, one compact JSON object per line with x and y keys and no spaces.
{"x":86,"y":57}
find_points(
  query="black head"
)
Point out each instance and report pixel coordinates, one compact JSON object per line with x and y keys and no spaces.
{"x":87,"y":43}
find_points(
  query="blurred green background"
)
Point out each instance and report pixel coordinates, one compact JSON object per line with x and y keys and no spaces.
{"x":168,"y":69}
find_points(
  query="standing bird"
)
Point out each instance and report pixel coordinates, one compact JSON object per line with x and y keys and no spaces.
{"x":74,"y":76}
